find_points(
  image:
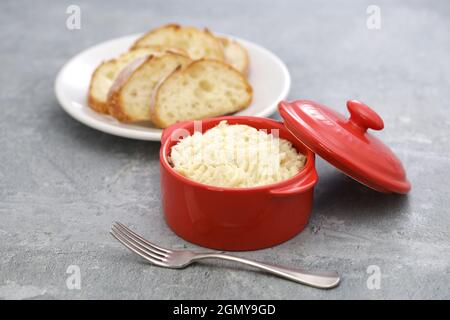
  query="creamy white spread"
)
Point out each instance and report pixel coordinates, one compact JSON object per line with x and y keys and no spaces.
{"x":236,"y":156}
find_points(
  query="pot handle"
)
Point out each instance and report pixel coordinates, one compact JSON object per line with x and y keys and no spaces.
{"x":175,"y":131}
{"x":307,"y":182}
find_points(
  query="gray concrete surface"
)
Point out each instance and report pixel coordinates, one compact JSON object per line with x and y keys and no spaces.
{"x":62,"y":184}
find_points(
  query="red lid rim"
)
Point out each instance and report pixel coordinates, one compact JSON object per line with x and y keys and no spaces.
{"x":357,"y":171}
{"x":339,"y":160}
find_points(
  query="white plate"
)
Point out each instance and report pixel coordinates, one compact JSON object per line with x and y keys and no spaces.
{"x":268,"y":76}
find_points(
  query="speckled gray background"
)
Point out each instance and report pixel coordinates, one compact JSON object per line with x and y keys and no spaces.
{"x":62,"y":184}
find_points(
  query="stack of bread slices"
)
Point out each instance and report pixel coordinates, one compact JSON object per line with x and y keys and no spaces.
{"x":173,"y":74}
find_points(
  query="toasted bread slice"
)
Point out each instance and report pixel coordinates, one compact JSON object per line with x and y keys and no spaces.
{"x":197,"y":43}
{"x":105,"y":74}
{"x":130,"y":97}
{"x":235,"y":55}
{"x":205,"y":88}
{"x":101,"y":80}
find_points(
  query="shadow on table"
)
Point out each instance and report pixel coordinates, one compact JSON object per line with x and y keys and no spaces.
{"x":336,"y":195}
{"x":340,"y":196}
{"x":88,"y":138}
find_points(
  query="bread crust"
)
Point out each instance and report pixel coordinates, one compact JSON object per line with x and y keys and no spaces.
{"x":156,"y":119}
{"x":101,"y":106}
{"x":114,"y":108}
{"x":176,"y":28}
{"x":225,"y":42}
{"x":97,"y":105}
{"x":93,"y":102}
{"x":162,"y":48}
{"x":115,"y":103}
{"x":137,"y":43}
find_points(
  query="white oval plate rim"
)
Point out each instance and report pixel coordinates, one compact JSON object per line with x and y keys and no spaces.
{"x":140,"y":132}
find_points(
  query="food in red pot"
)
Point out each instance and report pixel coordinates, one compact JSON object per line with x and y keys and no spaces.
{"x":236,"y":156}
{"x":237,"y":218}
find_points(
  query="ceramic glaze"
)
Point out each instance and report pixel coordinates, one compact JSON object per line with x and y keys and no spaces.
{"x":236,"y":218}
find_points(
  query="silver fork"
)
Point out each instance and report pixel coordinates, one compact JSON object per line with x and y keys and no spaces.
{"x":178,"y":259}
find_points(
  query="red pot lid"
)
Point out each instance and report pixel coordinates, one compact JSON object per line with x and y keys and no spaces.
{"x":345,"y":143}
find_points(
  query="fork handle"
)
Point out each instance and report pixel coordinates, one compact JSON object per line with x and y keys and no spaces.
{"x":322,"y":280}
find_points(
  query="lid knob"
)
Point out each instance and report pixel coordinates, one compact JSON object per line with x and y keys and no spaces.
{"x":345,"y":143}
{"x":363,"y":117}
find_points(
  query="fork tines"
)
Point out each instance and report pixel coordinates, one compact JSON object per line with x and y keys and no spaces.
{"x":147,"y":250}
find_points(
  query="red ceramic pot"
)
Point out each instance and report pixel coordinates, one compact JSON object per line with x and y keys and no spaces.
{"x":236,"y":218}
